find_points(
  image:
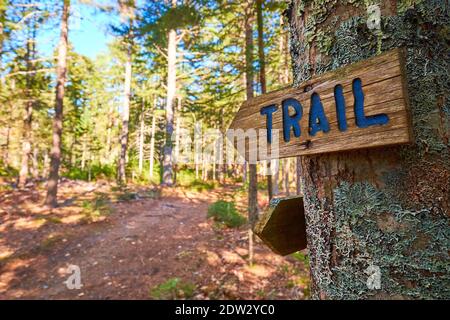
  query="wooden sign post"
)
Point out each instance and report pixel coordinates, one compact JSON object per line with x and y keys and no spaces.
{"x":359,"y":106}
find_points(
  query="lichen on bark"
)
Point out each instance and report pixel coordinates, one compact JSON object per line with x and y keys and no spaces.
{"x":385,"y":207}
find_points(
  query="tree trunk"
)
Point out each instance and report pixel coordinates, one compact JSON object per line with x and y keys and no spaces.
{"x":276,"y":178}
{"x":83,"y":152}
{"x":26,"y":143}
{"x":177,"y":139}
{"x":377,"y":220}
{"x":5,"y":156}
{"x":252,"y":172}
{"x":28,"y":115}
{"x":107,"y":157}
{"x":262,"y":78}
{"x":126,"y":111}
{"x":34,"y":159}
{"x":152,"y":142}
{"x":141,"y":138}
{"x":52,"y":184}
{"x":167,"y":178}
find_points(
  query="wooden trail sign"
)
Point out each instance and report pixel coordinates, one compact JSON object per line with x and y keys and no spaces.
{"x":358,"y":106}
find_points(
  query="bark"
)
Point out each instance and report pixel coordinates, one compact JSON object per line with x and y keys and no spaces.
{"x":167,"y":178}
{"x":35,"y":171}
{"x":5,"y":149}
{"x":52,"y":184}
{"x":262,"y":77}
{"x":141,"y":138}
{"x":152,"y":142}
{"x":108,"y":134}
{"x":379,"y":213}
{"x":84,"y":152}
{"x":177,"y":139}
{"x":26,"y":143}
{"x":252,"y":187}
{"x":276,"y":178}
{"x":126,"y":110}
{"x":5,"y":155}
{"x":204,"y":170}
{"x":28,"y":114}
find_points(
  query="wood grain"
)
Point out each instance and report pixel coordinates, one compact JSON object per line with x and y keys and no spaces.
{"x":383,"y":84}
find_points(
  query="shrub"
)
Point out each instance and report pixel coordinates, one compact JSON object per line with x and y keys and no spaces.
{"x":225,"y":212}
{"x":302,"y":257}
{"x":98,"y":171}
{"x":262,"y":185}
{"x":8,"y":171}
{"x":186,"y":178}
{"x":173,"y":288}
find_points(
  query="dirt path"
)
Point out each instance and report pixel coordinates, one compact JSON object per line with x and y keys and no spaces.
{"x":141,"y":244}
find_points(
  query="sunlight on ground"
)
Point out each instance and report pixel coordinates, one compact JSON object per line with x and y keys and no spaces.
{"x":259,"y":270}
{"x":29,"y":223}
{"x":173,"y":231}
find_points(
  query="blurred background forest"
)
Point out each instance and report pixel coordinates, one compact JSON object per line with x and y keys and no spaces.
{"x":189,"y":57}
{"x":91,"y":93}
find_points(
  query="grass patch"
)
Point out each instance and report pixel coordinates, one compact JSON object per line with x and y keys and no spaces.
{"x":262,"y":184}
{"x":186,"y":179}
{"x":8,"y":171}
{"x":302,"y":257}
{"x":200,"y":186}
{"x":97,"y":171}
{"x":173,"y":288}
{"x":225,"y":212}
{"x":6,"y":187}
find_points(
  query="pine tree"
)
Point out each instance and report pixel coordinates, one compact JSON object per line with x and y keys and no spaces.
{"x":52,"y":184}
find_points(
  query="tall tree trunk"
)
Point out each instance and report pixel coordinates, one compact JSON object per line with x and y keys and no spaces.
{"x":35,"y":162}
{"x":141,"y":138}
{"x":167,"y":178}
{"x":83,"y":152}
{"x":26,"y":142}
{"x":52,"y":184}
{"x":152,"y":141}
{"x":377,"y":220}
{"x":107,"y":156}
{"x":253,"y":178}
{"x":126,"y":111}
{"x":262,"y":78}
{"x":28,"y":114}
{"x":177,"y":139}
{"x":5,"y":151}
{"x":276,"y":178}
{"x":5,"y":156}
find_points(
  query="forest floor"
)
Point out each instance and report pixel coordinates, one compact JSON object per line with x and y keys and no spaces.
{"x":135,"y":244}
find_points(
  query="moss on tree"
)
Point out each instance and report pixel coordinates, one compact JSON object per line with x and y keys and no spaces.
{"x":385,"y":207}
